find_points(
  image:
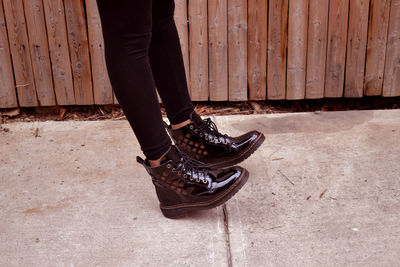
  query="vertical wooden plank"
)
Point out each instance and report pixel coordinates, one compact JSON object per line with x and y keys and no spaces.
{"x":198,"y":45}
{"x":376,"y":47}
{"x":237,"y":49}
{"x":181,"y":22}
{"x":39,"y":48}
{"x":59,"y":53}
{"x":277,"y":49}
{"x":257,"y":48}
{"x":391,"y":83}
{"x":336,"y":53}
{"x":116,"y":100}
{"x":102,"y":89}
{"x":21,"y":57}
{"x":316,"y":54}
{"x":79,"y":51}
{"x":297,"y":49}
{"x":356,"y":48}
{"x":8,"y":97}
{"x":218,"y":49}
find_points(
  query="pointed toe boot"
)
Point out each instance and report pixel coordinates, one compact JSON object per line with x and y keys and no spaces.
{"x":183,"y":184}
{"x":202,"y":141}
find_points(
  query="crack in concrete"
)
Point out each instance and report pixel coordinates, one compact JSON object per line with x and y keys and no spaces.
{"x":227,"y":238}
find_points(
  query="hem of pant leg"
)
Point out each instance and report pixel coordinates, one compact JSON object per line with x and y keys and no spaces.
{"x":181,"y":117}
{"x":156,"y":154}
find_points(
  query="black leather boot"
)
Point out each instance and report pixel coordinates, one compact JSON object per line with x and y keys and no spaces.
{"x":182,"y":185}
{"x":201,"y":140}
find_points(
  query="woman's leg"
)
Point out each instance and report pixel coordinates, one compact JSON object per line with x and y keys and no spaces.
{"x":167,"y":63}
{"x":127,"y":30}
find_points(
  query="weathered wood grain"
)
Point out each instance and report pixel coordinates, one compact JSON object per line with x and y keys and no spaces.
{"x":59,"y":52}
{"x":376,"y":47}
{"x":316,"y":54}
{"x":391,"y":83}
{"x":257,"y":48}
{"x":336,"y":53}
{"x":198,"y":45}
{"x":218,"y":49}
{"x":102,"y":89}
{"x":8,"y":97}
{"x":356,"y":48}
{"x":237,"y":49}
{"x":79,"y":51}
{"x":297,"y":49}
{"x":277,"y":49}
{"x":39,"y":50}
{"x":21,"y":58}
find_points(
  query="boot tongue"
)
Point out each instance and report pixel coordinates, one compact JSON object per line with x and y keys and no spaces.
{"x":172,"y":154}
{"x":196,"y":118}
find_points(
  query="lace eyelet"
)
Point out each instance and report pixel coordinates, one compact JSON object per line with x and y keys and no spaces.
{"x":191,"y":127}
{"x":198,"y":180}
{"x":191,"y":178}
{"x":205,"y":181}
{"x":195,"y":130}
{"x":179,"y":173}
{"x":201,"y":135}
{"x":206,"y":137}
{"x":173,"y":170}
{"x":168,"y":165}
{"x":185,"y":175}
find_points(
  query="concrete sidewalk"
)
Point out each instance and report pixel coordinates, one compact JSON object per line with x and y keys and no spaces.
{"x":324,"y":190}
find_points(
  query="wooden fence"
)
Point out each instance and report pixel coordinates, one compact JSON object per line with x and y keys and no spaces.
{"x":52,"y":53}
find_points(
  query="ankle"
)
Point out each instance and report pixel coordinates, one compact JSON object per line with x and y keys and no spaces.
{"x":156,"y":162}
{"x":182,"y":124}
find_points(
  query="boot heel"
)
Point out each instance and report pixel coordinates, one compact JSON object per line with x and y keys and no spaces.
{"x":168,"y":197}
{"x":173,"y":213}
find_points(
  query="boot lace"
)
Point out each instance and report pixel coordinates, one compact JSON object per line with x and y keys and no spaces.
{"x":210,"y":131}
{"x":188,"y":166}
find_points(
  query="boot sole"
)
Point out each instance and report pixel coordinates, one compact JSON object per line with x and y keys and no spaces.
{"x":241,"y":157}
{"x":180,"y":210}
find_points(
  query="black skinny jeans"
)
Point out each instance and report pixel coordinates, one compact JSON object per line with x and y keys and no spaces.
{"x":142,"y":51}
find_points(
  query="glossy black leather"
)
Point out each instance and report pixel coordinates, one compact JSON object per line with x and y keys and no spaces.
{"x":178,"y":182}
{"x":222,"y":150}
